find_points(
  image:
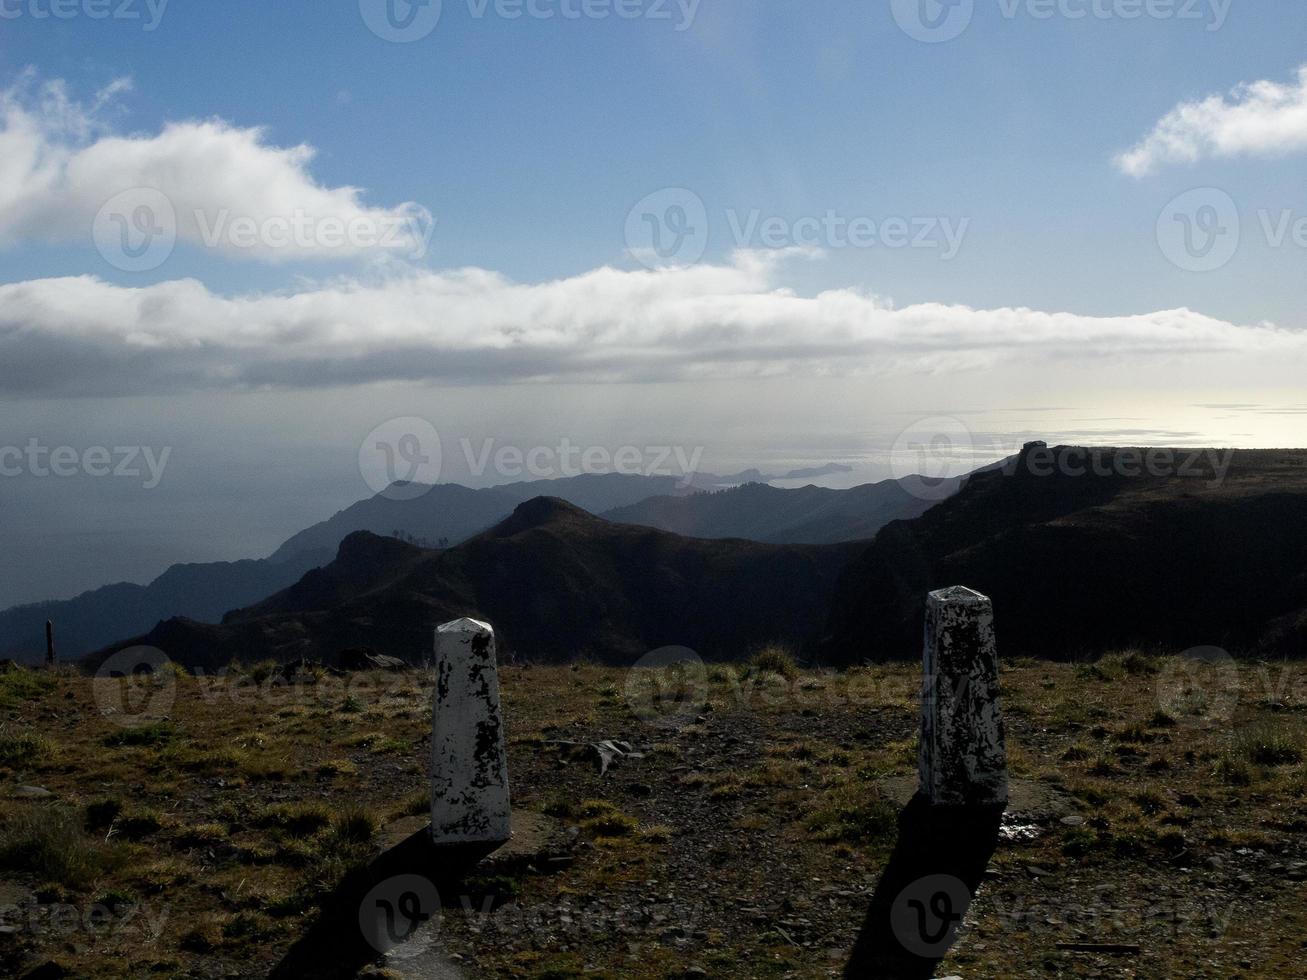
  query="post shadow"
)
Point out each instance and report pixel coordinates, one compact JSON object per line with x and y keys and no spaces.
{"x":336,"y":946}
{"x":924,"y":891}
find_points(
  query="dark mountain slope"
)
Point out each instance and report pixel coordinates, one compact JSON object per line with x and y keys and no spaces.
{"x":1089,"y":563}
{"x":557,"y":583}
{"x":199,"y":591}
{"x":807,"y":515}
{"x":204,"y":592}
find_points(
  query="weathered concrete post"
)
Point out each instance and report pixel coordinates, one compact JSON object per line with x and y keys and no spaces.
{"x":469,"y":768}
{"x":49,"y":643}
{"x":962,"y":760}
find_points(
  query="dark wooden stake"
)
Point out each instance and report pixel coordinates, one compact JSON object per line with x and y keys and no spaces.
{"x":49,"y":643}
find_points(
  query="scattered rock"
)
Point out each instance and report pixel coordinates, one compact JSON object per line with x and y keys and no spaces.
{"x":604,"y":754}
{"x":363,"y":658}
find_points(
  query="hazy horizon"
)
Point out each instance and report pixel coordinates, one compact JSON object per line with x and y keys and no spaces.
{"x":113,"y":529}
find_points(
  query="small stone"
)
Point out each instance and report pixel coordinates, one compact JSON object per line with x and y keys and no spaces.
{"x":1072,"y":821}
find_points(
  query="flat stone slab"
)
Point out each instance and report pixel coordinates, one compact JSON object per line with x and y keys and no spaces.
{"x":536,"y":837}
{"x":430,"y":964}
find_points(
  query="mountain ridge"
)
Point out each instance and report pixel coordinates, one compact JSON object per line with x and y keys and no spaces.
{"x":800,"y":515}
{"x":441,"y":514}
{"x":1090,"y":560}
{"x":557,"y":582}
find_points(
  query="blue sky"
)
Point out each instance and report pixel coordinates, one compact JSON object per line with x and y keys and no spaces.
{"x":1051,"y":296}
{"x":530,"y":139}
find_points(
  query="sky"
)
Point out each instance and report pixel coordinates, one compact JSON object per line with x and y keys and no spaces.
{"x":256,"y":257}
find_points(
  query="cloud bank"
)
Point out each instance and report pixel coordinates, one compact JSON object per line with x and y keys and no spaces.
{"x":61,"y":163}
{"x":1260,"y":119}
{"x":82,"y":335}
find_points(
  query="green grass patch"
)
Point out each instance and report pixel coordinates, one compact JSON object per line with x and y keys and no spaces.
{"x":24,"y":748}
{"x":296,"y":819}
{"x":775,"y":659}
{"x":150,"y":734}
{"x":853,"y":813}
{"x":1270,"y":744}
{"x":18,"y":685}
{"x":49,"y":841}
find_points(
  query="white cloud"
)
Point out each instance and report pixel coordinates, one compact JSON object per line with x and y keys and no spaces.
{"x":231,"y":190}
{"x":82,"y":335}
{"x":1262,"y":119}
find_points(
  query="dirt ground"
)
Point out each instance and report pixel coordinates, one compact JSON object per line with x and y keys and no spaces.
{"x":191,"y":827}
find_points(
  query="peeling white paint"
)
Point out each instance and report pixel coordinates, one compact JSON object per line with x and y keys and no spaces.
{"x":469,"y":767}
{"x":962,"y":758}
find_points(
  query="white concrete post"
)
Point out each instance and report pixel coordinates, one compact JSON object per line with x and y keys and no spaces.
{"x":962,"y":758}
{"x":469,"y":768}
